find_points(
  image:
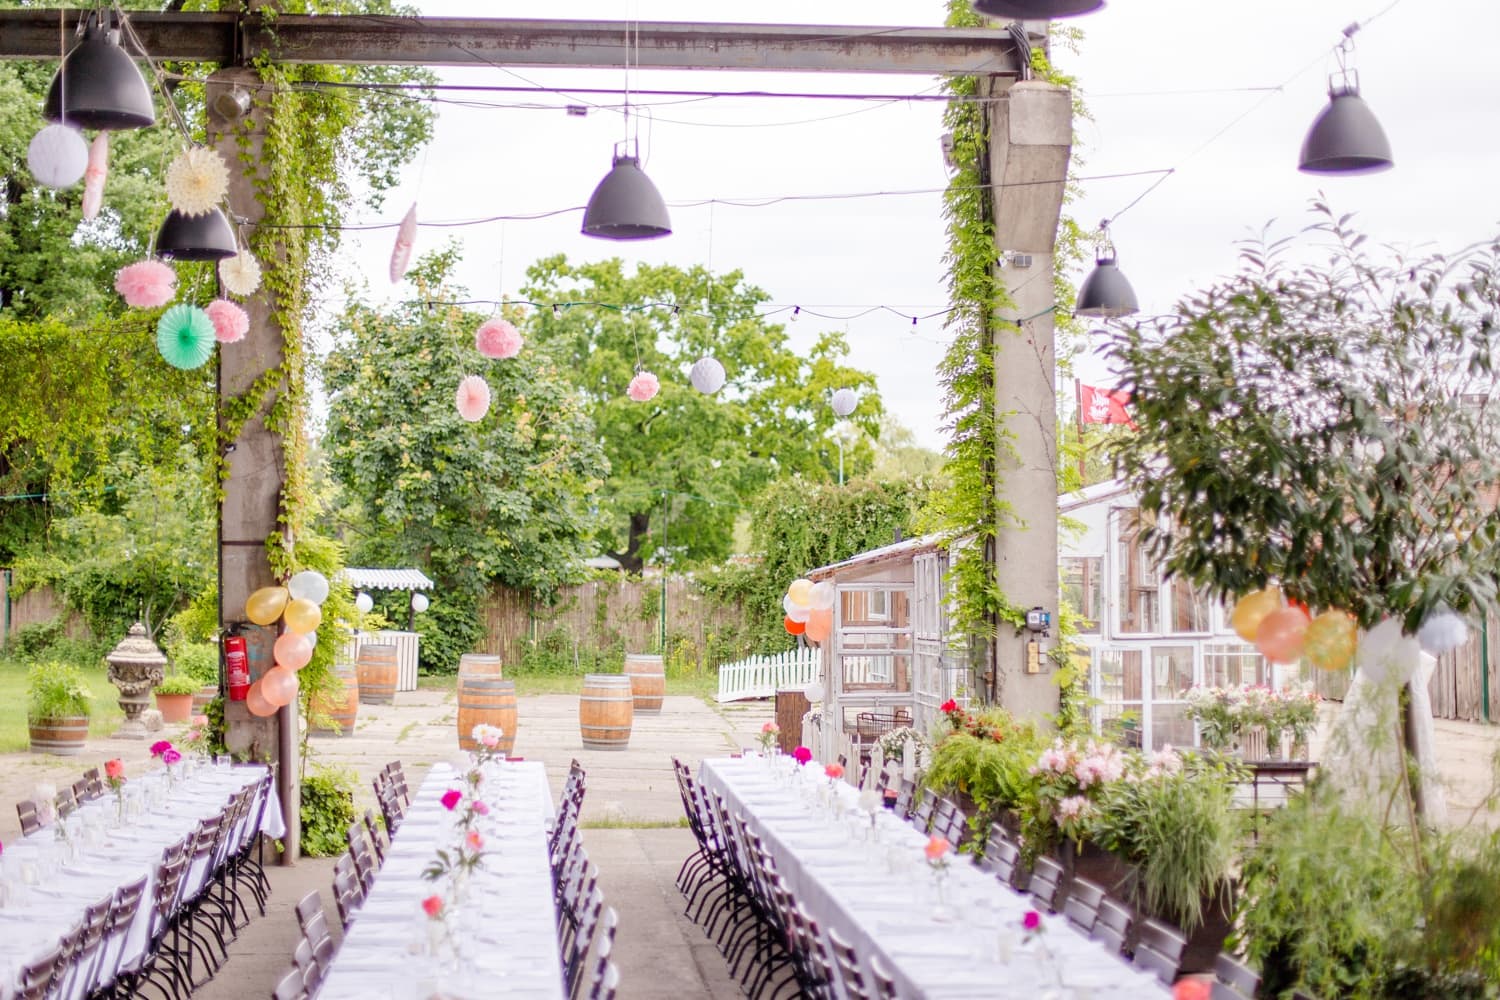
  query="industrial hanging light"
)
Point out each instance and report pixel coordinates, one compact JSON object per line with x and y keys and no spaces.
{"x":1345,"y":138}
{"x":1036,"y":10}
{"x":196,"y":237}
{"x":99,"y":86}
{"x":626,"y":205}
{"x":1105,"y":292}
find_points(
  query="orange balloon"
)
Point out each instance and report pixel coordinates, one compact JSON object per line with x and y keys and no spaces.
{"x":256,"y":702}
{"x":1282,"y":634}
{"x":794,"y":627}
{"x":820,"y":624}
{"x":292,"y":650}
{"x":279,"y":686}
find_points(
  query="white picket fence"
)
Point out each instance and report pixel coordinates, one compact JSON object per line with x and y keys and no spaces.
{"x":763,"y":676}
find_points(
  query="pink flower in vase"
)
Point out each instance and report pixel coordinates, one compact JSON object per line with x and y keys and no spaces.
{"x":770,"y":727}
{"x":451,"y":798}
{"x":433,"y":906}
{"x":474,"y":841}
{"x":170,"y":756}
{"x":834,"y":771}
{"x":1032,"y":921}
{"x":937,"y":848}
{"x":160,"y":747}
{"x":1191,"y":989}
{"x":802,"y":755}
{"x":480,"y":809}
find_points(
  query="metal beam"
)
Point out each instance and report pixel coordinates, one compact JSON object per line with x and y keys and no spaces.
{"x":453,"y":41}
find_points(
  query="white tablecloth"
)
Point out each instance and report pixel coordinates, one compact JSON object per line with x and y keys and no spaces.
{"x":880,"y":897}
{"x":506,"y":926}
{"x":36,"y":916}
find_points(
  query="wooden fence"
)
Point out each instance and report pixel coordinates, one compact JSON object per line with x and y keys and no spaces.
{"x":32,"y":607}
{"x":763,"y":676}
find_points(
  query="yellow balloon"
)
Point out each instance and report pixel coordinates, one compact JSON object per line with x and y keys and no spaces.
{"x":1330,"y":641}
{"x":1251,"y":609}
{"x":800,"y":593}
{"x":266,"y":605}
{"x":303,"y":616}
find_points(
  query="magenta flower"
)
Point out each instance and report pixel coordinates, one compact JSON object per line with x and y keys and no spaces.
{"x":170,"y":756}
{"x":1032,"y":920}
{"x":160,"y":747}
{"x":451,"y":798}
{"x":802,"y":755}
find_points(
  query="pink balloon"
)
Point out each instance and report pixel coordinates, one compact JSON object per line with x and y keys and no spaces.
{"x":819,"y":624}
{"x":292,"y":650}
{"x":279,"y":686}
{"x":256,"y":702}
{"x":1281,"y":634}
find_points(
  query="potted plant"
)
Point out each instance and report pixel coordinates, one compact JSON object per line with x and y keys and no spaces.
{"x":58,"y":709}
{"x":200,"y":661}
{"x":174,"y":697}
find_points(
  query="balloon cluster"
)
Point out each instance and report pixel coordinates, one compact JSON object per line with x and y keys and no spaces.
{"x":299,"y":606}
{"x":1286,"y":632}
{"x":809,"y":609}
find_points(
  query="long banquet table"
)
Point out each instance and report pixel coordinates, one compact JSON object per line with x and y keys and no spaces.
{"x":880,"y":896}
{"x":506,"y":926}
{"x":45,"y":894}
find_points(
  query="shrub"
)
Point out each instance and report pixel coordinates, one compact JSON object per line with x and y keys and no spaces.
{"x":198,"y":660}
{"x":178,"y":684}
{"x":327,"y":811}
{"x":56,"y":691}
{"x":31,"y":641}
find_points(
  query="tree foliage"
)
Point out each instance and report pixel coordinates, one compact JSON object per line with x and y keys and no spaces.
{"x":697,"y":459}
{"x":1329,"y":426}
{"x":506,"y":499}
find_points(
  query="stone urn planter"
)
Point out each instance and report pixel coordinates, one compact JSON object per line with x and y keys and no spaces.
{"x":135,"y":667}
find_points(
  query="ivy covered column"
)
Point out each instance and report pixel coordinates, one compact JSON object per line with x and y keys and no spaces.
{"x":1030,"y":135}
{"x":255,"y":413}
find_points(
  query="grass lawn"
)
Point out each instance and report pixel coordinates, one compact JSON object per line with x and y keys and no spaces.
{"x":705,"y":686}
{"x":106,"y":717}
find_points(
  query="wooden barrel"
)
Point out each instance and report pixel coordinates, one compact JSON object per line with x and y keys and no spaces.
{"x":648,"y":681}
{"x":605,"y":711}
{"x":63,"y":737}
{"x":342,"y":707}
{"x":479,"y":664}
{"x":376,"y":672}
{"x":486,"y":699}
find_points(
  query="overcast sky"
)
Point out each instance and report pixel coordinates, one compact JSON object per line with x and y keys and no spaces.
{"x":1161,"y":78}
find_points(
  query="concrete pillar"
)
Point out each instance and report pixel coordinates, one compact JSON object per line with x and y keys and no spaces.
{"x":1031,"y":135}
{"x":251,"y":508}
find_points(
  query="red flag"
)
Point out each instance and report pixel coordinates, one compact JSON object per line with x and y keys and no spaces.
{"x":1104,"y":406}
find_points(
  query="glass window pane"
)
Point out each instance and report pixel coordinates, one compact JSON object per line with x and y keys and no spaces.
{"x":1137,"y":583}
{"x":1232,"y":664}
{"x":876,"y":607}
{"x":1190,"y":609}
{"x":1171,"y":671}
{"x":1121,"y":724}
{"x":877,"y":672}
{"x":1119,"y":675}
{"x":1083,"y":590}
{"x":1169,"y":724}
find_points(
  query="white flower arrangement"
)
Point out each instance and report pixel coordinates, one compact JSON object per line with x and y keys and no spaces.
{"x":892,"y":744}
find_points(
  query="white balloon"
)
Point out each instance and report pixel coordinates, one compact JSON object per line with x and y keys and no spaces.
{"x":1442,"y":632}
{"x":707,"y":376}
{"x":844,"y":402}
{"x":419,"y":603}
{"x":1385,"y":655}
{"x":793,"y":611}
{"x":814,"y":691}
{"x":364,"y":602}
{"x":58,"y":156}
{"x":823,"y":595}
{"x":308,"y":585}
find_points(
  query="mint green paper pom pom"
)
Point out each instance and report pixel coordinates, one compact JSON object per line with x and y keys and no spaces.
{"x":185,"y":336}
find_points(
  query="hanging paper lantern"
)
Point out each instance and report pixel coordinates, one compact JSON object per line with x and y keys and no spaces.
{"x":707,"y":375}
{"x":643,"y":387}
{"x":1386,"y":655}
{"x":406,"y":238}
{"x":231,"y":323}
{"x":844,"y":402}
{"x":146,"y":284}
{"x":472,"y":398}
{"x":1442,"y":632}
{"x":419,"y":603}
{"x":185,"y":336}
{"x":240,"y":274}
{"x":364,"y":603}
{"x":95,"y":175}
{"x":1247,"y":614}
{"x":197,"y":181}
{"x":497,"y":338}
{"x":57,"y":156}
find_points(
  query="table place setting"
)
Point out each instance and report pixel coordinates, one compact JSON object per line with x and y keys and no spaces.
{"x":941,"y":926}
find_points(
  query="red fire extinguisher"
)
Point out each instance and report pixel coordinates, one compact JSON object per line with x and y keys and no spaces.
{"x":237,"y":667}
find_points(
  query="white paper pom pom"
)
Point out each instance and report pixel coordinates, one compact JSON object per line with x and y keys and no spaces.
{"x":844,"y":402}
{"x":58,"y":156}
{"x":240,"y":274}
{"x":1442,"y":632}
{"x":707,"y":375}
{"x":197,"y":181}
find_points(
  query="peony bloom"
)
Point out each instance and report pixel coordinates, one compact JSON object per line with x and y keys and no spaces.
{"x":770,"y":727}
{"x":802,"y":755}
{"x":834,"y":771}
{"x":198,"y":720}
{"x":480,"y":809}
{"x":170,"y":756}
{"x":497,"y":338}
{"x":1032,"y":921}
{"x":643,"y":387}
{"x":146,"y":284}
{"x":936,"y":848}
{"x":114,"y":769}
{"x":433,"y":906}
{"x":160,"y":747}
{"x":451,"y":798}
{"x":231,"y":323}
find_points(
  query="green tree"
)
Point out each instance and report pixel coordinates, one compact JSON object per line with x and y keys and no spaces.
{"x":684,"y":464}
{"x":506,"y":499}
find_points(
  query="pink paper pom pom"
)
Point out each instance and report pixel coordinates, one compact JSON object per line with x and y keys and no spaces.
{"x":643,"y":387}
{"x":472,"y":398}
{"x":146,"y":284}
{"x":406,"y":239}
{"x":497,"y":338}
{"x":231,"y":323}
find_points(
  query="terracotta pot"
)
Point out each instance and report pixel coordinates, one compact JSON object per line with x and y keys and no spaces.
{"x":174,"y":707}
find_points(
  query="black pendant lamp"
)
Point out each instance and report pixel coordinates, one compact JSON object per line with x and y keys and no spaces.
{"x":99,"y":86}
{"x":196,"y":237}
{"x":1105,"y":293}
{"x":1345,"y":138}
{"x":1036,"y":10}
{"x":626,"y":205}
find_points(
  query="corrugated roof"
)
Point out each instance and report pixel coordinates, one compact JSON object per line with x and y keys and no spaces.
{"x":898,"y":550}
{"x":361,"y":578}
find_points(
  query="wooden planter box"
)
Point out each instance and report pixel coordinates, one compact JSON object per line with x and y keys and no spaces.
{"x":63,"y":737}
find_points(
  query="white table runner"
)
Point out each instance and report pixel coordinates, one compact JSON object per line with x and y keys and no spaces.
{"x":507,"y":925}
{"x":975,"y":950}
{"x":36,"y":916}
